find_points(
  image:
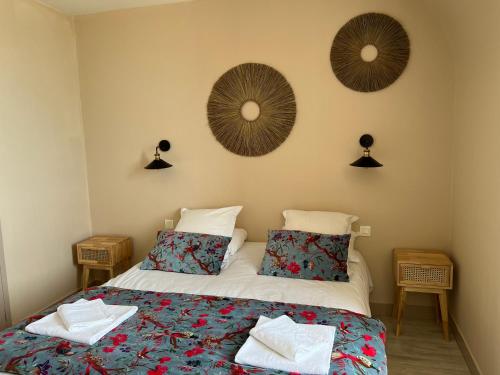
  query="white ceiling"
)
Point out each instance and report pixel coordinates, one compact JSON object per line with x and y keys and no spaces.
{"x":76,"y":7}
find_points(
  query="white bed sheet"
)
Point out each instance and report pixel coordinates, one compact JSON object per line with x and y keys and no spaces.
{"x":240,"y":280}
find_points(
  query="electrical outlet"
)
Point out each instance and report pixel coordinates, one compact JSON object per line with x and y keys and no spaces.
{"x":169,"y":224}
{"x":365,"y":230}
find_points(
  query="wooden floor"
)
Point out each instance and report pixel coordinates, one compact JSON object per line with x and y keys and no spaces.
{"x":421,"y":350}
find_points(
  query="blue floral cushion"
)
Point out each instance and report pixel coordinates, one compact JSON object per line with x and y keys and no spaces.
{"x":184,"y":252}
{"x":304,"y":255}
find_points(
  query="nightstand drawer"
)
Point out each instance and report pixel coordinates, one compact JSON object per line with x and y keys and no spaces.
{"x":94,"y":256}
{"x":424,"y":275}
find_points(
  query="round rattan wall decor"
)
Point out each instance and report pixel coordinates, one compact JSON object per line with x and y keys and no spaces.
{"x":370,"y":52}
{"x":251,"y":109}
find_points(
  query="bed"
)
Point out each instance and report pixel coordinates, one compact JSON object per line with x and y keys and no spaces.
{"x":240,"y":280}
{"x":197,"y":323}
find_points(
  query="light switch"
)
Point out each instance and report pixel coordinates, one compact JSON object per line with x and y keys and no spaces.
{"x":169,"y":224}
{"x":365,"y":230}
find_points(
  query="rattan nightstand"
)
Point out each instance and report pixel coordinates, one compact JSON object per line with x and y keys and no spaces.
{"x":108,"y":253}
{"x":422,"y":271}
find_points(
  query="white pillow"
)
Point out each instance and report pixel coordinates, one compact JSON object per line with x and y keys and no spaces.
{"x":323,"y":222}
{"x":217,"y":221}
{"x":354,"y":255}
{"x":237,"y":241}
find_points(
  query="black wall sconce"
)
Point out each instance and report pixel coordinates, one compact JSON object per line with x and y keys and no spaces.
{"x":366,"y":161}
{"x":160,"y":163}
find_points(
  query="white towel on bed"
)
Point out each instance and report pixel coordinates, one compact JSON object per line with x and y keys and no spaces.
{"x":84,"y":314}
{"x":292,"y":340}
{"x":52,"y":325}
{"x":316,"y":361}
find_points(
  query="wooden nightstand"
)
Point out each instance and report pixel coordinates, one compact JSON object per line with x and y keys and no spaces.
{"x":422,"y":271}
{"x":104,"y":253}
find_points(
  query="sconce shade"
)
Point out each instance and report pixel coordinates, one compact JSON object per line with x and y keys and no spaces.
{"x":159,"y":163}
{"x":366,"y":161}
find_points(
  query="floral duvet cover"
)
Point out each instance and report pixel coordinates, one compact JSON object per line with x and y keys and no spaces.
{"x":176,"y":333}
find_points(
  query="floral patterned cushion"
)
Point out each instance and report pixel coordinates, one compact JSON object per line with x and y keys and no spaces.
{"x":304,"y":255}
{"x":184,"y":252}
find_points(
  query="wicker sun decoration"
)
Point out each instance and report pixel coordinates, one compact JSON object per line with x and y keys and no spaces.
{"x":373,"y":30}
{"x":265,"y":87}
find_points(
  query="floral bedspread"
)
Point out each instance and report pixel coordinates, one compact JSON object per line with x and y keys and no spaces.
{"x":182,"y":333}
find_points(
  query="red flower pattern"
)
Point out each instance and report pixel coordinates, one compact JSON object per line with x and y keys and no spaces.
{"x":119,"y":339}
{"x":98,"y":296}
{"x":163,"y":303}
{"x":199,"y":323}
{"x":308,"y":314}
{"x":226,"y":310}
{"x":293,"y":268}
{"x":237,"y":370}
{"x":369,"y":350}
{"x":195,"y":351}
{"x":159,"y":370}
{"x":345,"y":327}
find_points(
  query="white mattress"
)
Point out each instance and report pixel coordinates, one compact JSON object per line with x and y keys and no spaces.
{"x":240,"y":280}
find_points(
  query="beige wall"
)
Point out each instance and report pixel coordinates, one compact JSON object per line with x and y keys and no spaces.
{"x":473,"y":29}
{"x":146,"y":75}
{"x":43,"y":190}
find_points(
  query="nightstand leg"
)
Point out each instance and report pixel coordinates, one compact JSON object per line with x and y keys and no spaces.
{"x":438,"y":311}
{"x":443,"y":303}
{"x":401,"y":304}
{"x":111,"y":273}
{"x":85,"y":277}
{"x":396,"y":303}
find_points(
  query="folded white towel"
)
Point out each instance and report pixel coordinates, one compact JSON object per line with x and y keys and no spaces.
{"x":84,"y":314}
{"x":291,"y":340}
{"x":52,"y":325}
{"x":317,"y":361}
